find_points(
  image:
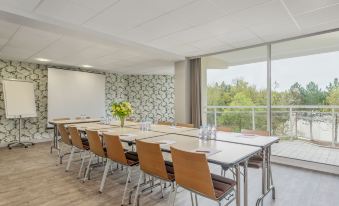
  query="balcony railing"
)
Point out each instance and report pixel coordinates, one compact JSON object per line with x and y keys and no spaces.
{"x":313,"y":122}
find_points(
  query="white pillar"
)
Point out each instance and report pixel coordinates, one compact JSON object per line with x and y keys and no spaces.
{"x":182,"y":92}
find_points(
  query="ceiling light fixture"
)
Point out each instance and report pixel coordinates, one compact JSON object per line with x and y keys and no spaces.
{"x":43,"y":59}
{"x":87,"y":66}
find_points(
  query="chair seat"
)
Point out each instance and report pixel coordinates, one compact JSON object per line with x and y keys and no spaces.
{"x":132,"y":158}
{"x":222,"y":185}
{"x":170,"y":170}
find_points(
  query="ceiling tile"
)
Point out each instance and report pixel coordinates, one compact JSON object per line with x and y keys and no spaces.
{"x":239,"y":38}
{"x":127,"y":14}
{"x":180,"y":19}
{"x":304,"y":6}
{"x":25,"y":5}
{"x":63,"y":48}
{"x":29,"y":41}
{"x":267,"y":20}
{"x":321,"y":16}
{"x":6,"y":31}
{"x":231,"y":6}
{"x":72,"y":11}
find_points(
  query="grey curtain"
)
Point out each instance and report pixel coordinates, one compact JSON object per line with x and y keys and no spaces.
{"x":195,"y":84}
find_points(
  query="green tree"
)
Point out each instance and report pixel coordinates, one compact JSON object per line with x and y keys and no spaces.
{"x":333,"y":97}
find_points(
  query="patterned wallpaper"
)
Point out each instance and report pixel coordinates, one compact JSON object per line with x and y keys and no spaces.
{"x":152,"y":96}
{"x":31,"y":127}
{"x":149,"y":94}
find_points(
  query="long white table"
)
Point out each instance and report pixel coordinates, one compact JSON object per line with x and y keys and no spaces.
{"x":263,"y":142}
{"x":166,"y":128}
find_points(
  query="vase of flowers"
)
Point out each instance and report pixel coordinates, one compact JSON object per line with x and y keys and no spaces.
{"x":121,"y":110}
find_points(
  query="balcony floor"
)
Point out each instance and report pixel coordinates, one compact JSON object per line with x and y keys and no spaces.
{"x":301,"y":150}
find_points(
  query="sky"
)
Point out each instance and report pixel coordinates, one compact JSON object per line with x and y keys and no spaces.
{"x":319,"y":68}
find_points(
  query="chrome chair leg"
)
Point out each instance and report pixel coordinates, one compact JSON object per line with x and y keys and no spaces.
{"x":83,"y":157}
{"x":138,"y":188}
{"x":70,"y":158}
{"x":126,"y":185}
{"x":103,"y":180}
{"x":192,"y":201}
{"x":88,"y":167}
{"x":175,"y":194}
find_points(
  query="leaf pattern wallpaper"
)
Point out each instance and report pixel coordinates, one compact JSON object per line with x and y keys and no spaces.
{"x":152,"y":97}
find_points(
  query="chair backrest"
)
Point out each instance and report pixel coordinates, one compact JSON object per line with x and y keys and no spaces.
{"x":185,"y":125}
{"x":192,"y":172}
{"x":64,"y":134}
{"x":95,"y":144}
{"x":256,"y":132}
{"x":165,"y":123}
{"x":225,"y":129}
{"x":75,"y":137}
{"x":151,"y":160}
{"x":115,"y":150}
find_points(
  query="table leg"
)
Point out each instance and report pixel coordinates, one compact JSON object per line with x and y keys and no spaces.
{"x":54,"y":144}
{"x":267,"y":180}
{"x":238,"y":189}
{"x":263,"y":179}
{"x":245,"y":184}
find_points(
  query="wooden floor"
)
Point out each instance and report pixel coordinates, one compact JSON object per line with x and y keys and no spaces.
{"x":302,"y":150}
{"x":32,"y":177}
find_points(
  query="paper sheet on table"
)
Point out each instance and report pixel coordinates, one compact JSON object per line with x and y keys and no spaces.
{"x":165,"y":142}
{"x":207,"y":151}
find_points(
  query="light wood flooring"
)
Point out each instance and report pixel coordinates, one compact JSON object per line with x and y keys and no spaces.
{"x":32,"y":177}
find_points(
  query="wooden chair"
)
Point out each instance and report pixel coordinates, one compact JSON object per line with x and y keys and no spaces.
{"x":185,"y":125}
{"x":224,"y":129}
{"x":65,"y":139}
{"x":116,"y":153}
{"x":153,"y":164}
{"x":192,"y":173}
{"x":95,"y":147}
{"x":80,"y":144}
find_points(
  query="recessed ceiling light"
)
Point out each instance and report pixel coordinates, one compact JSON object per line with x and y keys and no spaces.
{"x":43,"y":59}
{"x":87,"y":66}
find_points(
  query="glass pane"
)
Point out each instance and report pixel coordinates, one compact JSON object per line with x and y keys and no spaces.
{"x":236,"y":89}
{"x":305,"y":87}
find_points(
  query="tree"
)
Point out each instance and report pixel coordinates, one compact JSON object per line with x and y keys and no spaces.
{"x":313,"y":94}
{"x":333,"y":97}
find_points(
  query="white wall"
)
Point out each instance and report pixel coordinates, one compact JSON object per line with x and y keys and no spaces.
{"x":182,"y":92}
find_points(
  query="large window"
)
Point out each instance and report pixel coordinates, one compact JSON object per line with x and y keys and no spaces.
{"x":300,"y":77}
{"x":236,"y":89}
{"x":305,"y":88}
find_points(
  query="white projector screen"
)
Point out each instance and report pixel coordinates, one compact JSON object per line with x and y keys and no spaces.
{"x":19,"y":98}
{"x":73,"y":93}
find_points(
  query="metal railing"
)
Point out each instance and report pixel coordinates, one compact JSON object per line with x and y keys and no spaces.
{"x":288,"y":120}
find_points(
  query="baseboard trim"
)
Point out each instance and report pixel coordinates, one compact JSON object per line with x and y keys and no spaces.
{"x":318,"y":167}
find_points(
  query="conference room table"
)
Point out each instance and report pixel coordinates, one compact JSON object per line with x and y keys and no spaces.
{"x":263,"y":142}
{"x":126,"y":134}
{"x":166,"y":128}
{"x":55,"y":123}
{"x":217,"y":152}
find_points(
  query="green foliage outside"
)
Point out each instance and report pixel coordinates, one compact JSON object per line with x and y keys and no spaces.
{"x":240,"y":93}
